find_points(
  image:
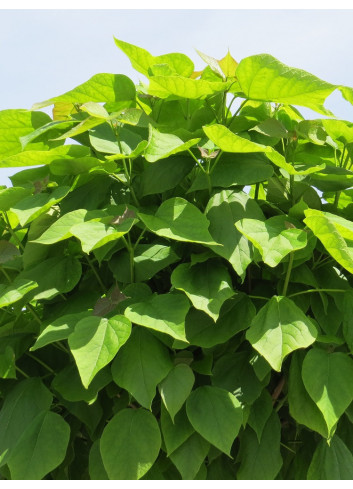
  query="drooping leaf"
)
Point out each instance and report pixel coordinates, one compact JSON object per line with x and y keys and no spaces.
{"x":9,"y":294}
{"x":162,"y":145}
{"x":261,"y":460}
{"x":175,"y":432}
{"x":332,"y":461}
{"x":176,"y":387}
{"x":35,"y":454}
{"x":208,"y":285}
{"x":130,"y":444}
{"x":178,"y":219}
{"x":223,"y":210}
{"x":274,"y":238}
{"x":326,"y":377}
{"x":164,"y":312}
{"x":216,"y":415}
{"x":95,"y":341}
{"x":23,"y":403}
{"x":141,"y":365}
{"x":260,"y":412}
{"x":189,"y":456}
{"x":279,"y":328}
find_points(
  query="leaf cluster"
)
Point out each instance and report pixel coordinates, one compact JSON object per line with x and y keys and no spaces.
{"x":176,"y":293}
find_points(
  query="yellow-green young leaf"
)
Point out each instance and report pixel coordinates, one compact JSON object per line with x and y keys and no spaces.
{"x":82,"y":127}
{"x":34,"y":158}
{"x":327,"y":379}
{"x":33,"y":206}
{"x":185,"y":87}
{"x":329,"y":230}
{"x":208,"y":285}
{"x":274,"y":238}
{"x":262,"y":77}
{"x":339,"y":130}
{"x":213,"y":63}
{"x":162,"y":145}
{"x":15,"y":124}
{"x":9,"y":294}
{"x":301,"y":407}
{"x":228,"y":65}
{"x":95,"y":342}
{"x":141,"y":365}
{"x":332,"y":461}
{"x":130,"y":444}
{"x":216,"y":415}
{"x":189,"y":456}
{"x":95,"y":110}
{"x":142,"y":60}
{"x":164,"y":312}
{"x":279,"y":328}
{"x":176,"y":387}
{"x":36,"y":454}
{"x":23,"y":403}
{"x":261,"y":460}
{"x":178,"y":219}
{"x":103,"y":87}
{"x":223,"y":210}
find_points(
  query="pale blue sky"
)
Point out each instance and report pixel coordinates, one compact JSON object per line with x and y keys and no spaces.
{"x":47,"y":52}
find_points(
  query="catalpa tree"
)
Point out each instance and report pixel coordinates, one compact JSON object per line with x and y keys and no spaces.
{"x":176,"y":277}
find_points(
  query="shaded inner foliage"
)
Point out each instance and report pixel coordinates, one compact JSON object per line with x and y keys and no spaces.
{"x":176,"y":294}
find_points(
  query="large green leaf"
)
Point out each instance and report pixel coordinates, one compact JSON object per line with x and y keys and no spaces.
{"x":141,"y":365}
{"x":60,"y":229}
{"x":164,"y":312}
{"x":326,"y":377}
{"x":40,"y":448}
{"x":208,"y":285}
{"x":23,"y":403}
{"x":260,"y":412}
{"x":261,"y":460}
{"x":332,"y":461}
{"x":36,"y":157}
{"x":301,"y":407}
{"x":176,"y":387}
{"x":324,"y":226}
{"x":15,"y":123}
{"x":33,"y":206}
{"x":164,"y":86}
{"x":235,"y":169}
{"x":263,"y":77}
{"x":216,"y":415}
{"x":189,"y":456}
{"x":279,"y":328}
{"x":223,"y":210}
{"x":59,"y":329}
{"x":95,"y":463}
{"x":236,"y":314}
{"x":130,"y":444}
{"x":10,"y":196}
{"x":234,"y":373}
{"x":166,"y":174}
{"x":95,"y":341}
{"x":274,"y":238}
{"x":162,"y":145}
{"x":103,"y":87}
{"x":178,"y":219}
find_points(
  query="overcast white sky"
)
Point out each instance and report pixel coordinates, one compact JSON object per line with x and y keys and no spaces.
{"x":47,"y":52}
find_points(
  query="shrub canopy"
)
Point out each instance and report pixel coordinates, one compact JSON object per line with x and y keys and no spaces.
{"x":176,"y":277}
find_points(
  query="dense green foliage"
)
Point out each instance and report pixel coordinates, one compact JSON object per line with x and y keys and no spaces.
{"x":176,"y":277}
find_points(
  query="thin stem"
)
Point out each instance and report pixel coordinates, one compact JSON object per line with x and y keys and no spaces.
{"x":337,"y":198}
{"x":237,"y":112}
{"x":229,"y":107}
{"x":197,"y":161}
{"x":140,"y":237}
{"x":259,"y":297}
{"x":212,"y":109}
{"x":216,"y":161}
{"x":13,"y":234}
{"x":130,"y":250}
{"x":22,"y":372}
{"x":34,"y":314}
{"x":43,"y":364}
{"x":99,"y":280}
{"x":291,"y":186}
{"x":257,"y":188}
{"x":289,"y":269}
{"x":7,"y":276}
{"x":309,"y":291}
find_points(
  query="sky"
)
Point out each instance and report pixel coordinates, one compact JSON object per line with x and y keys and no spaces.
{"x":44,"y":53}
